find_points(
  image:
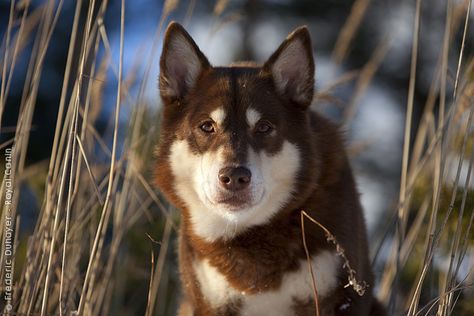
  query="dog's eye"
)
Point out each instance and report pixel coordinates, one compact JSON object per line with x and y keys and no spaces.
{"x":207,"y":127}
{"x":263,"y":127}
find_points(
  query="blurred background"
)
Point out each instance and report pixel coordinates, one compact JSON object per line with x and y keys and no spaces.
{"x":79,"y":104}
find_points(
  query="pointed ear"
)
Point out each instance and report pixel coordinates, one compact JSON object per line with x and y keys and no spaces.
{"x":181,"y":62}
{"x":292,"y":67}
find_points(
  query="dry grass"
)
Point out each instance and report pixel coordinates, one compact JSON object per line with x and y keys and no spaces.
{"x":359,"y":286}
{"x":96,"y":193}
{"x":69,"y":264}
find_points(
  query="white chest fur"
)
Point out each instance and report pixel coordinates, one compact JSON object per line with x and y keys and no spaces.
{"x":296,"y":285}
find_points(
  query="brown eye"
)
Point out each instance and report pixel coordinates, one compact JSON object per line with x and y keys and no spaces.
{"x":207,"y":127}
{"x":263,"y":127}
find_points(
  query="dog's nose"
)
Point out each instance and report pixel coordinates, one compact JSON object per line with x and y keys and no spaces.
{"x":235,"y":178}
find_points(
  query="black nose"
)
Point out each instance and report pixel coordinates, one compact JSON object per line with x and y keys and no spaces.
{"x":234,"y":178}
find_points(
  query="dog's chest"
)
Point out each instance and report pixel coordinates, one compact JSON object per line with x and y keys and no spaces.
{"x":296,"y":287}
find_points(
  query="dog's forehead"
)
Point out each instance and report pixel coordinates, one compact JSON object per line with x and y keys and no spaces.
{"x":235,"y":93}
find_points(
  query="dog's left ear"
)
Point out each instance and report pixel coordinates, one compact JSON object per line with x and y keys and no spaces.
{"x":180,"y":64}
{"x":292,"y":67}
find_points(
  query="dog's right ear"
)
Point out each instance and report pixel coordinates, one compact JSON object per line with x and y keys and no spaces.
{"x":180,"y":64}
{"x":292,"y":67}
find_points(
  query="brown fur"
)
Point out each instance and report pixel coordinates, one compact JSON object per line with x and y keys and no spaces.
{"x":255,"y":260}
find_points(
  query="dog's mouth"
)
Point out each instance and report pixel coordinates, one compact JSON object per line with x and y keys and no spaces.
{"x":235,"y":201}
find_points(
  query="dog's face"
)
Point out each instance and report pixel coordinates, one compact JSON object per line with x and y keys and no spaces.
{"x":233,"y":138}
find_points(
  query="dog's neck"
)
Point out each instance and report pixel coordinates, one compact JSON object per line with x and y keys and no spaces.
{"x":246,"y":259}
{"x":282,"y":231}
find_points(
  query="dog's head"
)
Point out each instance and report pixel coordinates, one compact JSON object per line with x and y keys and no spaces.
{"x":235,"y":140}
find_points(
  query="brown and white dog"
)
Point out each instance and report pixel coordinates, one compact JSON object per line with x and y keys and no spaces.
{"x":241,"y":155}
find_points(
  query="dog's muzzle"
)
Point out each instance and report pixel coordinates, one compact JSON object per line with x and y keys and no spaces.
{"x":234,"y":178}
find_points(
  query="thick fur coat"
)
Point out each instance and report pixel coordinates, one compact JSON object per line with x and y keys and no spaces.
{"x":241,"y":155}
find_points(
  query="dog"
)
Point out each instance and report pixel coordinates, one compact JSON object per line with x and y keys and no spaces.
{"x":242,"y":155}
